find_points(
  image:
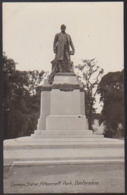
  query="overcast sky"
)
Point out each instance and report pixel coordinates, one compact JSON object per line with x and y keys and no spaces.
{"x":96,"y":29}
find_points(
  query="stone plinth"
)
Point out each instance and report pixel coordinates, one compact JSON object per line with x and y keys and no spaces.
{"x":62,"y":104}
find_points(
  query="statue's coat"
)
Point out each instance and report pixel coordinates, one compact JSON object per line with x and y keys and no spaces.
{"x":59,"y":46}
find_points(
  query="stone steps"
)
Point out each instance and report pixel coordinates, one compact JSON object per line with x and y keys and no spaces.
{"x":60,"y":145}
{"x":41,"y":149}
{"x":63,"y":132}
{"x":55,"y":149}
{"x":64,"y":162}
{"x":66,"y":154}
{"x":66,"y":136}
{"x":41,"y":142}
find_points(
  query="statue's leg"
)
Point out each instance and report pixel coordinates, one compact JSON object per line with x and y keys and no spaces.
{"x":65,"y":62}
{"x":69,"y":63}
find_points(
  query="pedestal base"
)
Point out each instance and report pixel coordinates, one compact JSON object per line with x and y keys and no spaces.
{"x":51,"y":149}
{"x":40,"y":164}
{"x":66,"y":122}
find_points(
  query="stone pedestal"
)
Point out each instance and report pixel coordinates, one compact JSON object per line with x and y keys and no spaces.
{"x":62,"y":105}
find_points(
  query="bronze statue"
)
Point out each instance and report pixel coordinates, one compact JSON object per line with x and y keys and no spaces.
{"x":61,"y":47}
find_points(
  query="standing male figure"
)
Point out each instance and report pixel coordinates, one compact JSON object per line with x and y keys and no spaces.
{"x":61,"y":46}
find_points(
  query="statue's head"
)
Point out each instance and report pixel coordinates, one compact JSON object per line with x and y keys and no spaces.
{"x":63,"y":28}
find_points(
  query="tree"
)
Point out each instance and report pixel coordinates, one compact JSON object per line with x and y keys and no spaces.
{"x":20,"y":105}
{"x":90,"y":74}
{"x":35,"y":78}
{"x":111,"y":89}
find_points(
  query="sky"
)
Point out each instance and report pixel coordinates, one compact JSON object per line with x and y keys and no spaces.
{"x":96,"y":29}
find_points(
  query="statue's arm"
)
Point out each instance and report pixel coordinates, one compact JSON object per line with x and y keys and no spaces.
{"x":55,"y":43}
{"x":72,"y":45}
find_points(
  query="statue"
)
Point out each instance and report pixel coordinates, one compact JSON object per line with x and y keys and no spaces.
{"x":61,"y":47}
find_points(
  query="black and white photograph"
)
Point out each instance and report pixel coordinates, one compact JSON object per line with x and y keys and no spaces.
{"x":63,"y":97}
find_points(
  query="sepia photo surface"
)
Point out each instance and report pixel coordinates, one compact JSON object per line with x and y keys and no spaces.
{"x":63,"y":102}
